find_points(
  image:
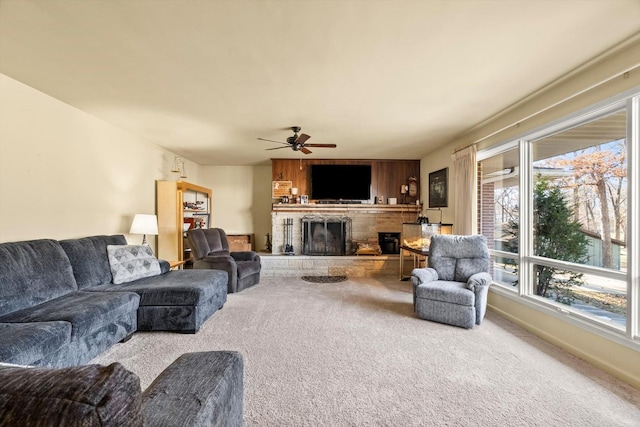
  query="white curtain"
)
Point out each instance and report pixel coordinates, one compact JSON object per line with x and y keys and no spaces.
{"x":464,"y":171}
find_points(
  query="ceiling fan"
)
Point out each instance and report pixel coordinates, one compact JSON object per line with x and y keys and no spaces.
{"x":298,"y":142}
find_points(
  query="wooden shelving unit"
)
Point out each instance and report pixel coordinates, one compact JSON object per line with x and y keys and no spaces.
{"x":178,"y":202}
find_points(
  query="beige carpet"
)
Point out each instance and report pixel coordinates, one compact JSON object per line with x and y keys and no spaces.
{"x":353,"y":354}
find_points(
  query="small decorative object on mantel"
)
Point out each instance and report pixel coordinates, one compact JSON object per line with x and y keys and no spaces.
{"x":279,"y":189}
{"x":404,"y":189}
{"x":413,"y":186}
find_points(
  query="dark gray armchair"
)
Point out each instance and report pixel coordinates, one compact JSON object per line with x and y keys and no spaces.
{"x":453,"y":288}
{"x":210,"y":250}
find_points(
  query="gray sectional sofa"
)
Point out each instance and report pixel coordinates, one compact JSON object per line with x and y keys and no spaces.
{"x":59,"y":307}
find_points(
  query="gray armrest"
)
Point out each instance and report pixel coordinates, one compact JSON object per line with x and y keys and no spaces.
{"x":479,"y":284}
{"x":420,"y":276}
{"x":217,"y":259}
{"x":164,"y":266}
{"x":423,"y":275}
{"x":479,"y":280}
{"x":198,"y":389}
{"x":245,"y":256}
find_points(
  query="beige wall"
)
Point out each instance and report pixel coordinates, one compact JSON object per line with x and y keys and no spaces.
{"x":435,"y":161}
{"x":66,"y":174}
{"x":241,"y":199}
{"x":594,"y":83}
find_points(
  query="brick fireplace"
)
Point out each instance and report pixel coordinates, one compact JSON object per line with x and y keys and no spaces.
{"x":359,"y":223}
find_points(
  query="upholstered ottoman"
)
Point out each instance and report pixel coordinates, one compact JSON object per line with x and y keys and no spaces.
{"x":198,"y":389}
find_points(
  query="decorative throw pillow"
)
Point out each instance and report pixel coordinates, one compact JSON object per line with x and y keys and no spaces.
{"x":132,"y":262}
{"x":89,"y":395}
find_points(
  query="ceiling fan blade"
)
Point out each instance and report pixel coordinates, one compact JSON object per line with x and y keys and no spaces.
{"x":277,"y":148}
{"x":305,"y":150}
{"x":302,"y":138}
{"x":321,"y":145}
{"x":271,"y":140}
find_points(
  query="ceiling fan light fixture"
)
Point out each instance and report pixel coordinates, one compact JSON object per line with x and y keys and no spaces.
{"x":297,"y":143}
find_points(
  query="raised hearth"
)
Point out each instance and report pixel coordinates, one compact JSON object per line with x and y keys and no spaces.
{"x":349,"y":265}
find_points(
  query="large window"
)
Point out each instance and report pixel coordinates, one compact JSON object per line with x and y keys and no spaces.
{"x":556,"y":208}
{"x":579,"y":217}
{"x":499,"y":201}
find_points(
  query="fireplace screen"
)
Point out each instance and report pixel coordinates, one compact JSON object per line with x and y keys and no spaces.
{"x":324,"y":236}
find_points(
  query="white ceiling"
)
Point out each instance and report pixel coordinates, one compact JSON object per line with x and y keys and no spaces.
{"x":381,"y":79}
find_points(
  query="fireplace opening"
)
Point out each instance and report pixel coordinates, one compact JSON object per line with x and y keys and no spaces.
{"x":324,"y":236}
{"x":389,"y":242}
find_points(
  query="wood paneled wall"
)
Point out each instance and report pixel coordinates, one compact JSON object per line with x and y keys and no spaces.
{"x":386,"y":175}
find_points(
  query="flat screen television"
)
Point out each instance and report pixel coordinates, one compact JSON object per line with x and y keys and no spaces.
{"x":341,"y":182}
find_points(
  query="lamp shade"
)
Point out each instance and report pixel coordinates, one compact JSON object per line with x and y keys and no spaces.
{"x":144,"y":224}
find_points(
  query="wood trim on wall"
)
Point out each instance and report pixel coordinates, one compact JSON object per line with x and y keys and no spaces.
{"x":386,"y":175}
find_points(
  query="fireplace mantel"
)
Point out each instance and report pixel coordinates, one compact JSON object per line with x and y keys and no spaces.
{"x":345,"y":208}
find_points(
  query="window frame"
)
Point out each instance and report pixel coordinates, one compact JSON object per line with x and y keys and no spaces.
{"x":629,"y":336}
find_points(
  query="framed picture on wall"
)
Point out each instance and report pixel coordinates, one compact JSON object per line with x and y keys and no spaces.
{"x":304,"y":199}
{"x":438,"y":188}
{"x":280,"y":189}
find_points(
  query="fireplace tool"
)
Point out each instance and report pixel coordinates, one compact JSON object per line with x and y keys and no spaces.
{"x":288,"y":236}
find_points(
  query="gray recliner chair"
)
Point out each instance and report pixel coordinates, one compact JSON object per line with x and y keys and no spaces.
{"x":210,"y":250}
{"x":453,"y":288}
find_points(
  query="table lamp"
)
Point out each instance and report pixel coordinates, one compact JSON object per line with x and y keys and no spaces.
{"x":144,"y":224}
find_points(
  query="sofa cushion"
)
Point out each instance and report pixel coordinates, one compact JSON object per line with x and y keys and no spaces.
{"x":445,"y":266}
{"x":88,"y":257}
{"x":446,"y":291}
{"x":132,"y":262}
{"x":33,"y":272}
{"x":90,"y":395}
{"x":86,"y":311}
{"x":182,"y":287}
{"x":467,"y":267}
{"x":32,"y":343}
